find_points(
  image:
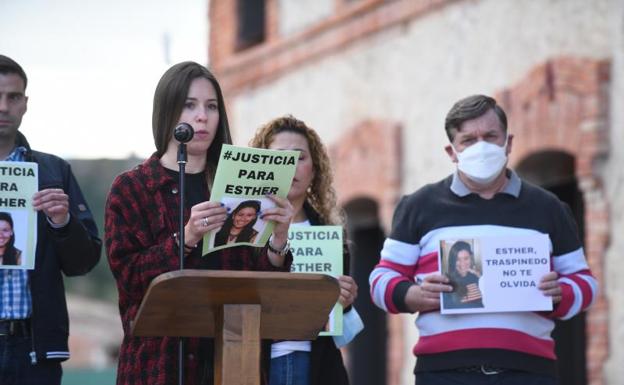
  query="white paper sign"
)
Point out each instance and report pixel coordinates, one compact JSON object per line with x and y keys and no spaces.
{"x":19,"y":181}
{"x":495,"y":274}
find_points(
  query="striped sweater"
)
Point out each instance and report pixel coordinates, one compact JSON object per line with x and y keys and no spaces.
{"x":447,"y":210}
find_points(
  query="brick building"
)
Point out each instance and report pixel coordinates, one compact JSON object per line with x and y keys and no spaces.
{"x":376,"y":77}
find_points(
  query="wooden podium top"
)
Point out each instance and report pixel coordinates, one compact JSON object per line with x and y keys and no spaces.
{"x":184,"y":303}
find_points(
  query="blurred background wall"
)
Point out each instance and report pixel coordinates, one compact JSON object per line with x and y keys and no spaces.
{"x":375,"y":78}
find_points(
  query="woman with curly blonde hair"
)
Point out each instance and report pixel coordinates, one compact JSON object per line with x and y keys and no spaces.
{"x":319,"y":192}
{"x":313,"y":199}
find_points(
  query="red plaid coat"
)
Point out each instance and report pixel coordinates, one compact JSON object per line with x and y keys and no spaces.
{"x":141,"y":217}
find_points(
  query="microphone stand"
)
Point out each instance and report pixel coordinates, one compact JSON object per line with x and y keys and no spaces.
{"x":182,"y":159}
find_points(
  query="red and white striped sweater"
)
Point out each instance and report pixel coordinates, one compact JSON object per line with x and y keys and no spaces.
{"x":446,"y":210}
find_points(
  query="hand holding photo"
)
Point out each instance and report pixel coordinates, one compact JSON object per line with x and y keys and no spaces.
{"x":18,"y":218}
{"x":245,"y":180}
{"x":494,"y":274}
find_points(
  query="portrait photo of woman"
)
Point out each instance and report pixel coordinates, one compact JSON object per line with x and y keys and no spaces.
{"x":9,"y":254}
{"x":464,"y":277}
{"x":239,"y":225}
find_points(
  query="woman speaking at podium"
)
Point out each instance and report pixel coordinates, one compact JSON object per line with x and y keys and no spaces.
{"x":142,"y":223}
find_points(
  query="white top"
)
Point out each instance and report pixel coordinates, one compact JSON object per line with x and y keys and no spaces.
{"x":283,"y":348}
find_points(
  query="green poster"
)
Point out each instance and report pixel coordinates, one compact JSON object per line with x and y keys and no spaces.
{"x":244,"y":178}
{"x":19,"y":181}
{"x":318,"y":249}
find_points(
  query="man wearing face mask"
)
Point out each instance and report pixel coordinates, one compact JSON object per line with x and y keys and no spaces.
{"x":482,"y":197}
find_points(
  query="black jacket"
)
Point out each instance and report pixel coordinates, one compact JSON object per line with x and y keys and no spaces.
{"x":72,"y":250}
{"x":326,"y":365}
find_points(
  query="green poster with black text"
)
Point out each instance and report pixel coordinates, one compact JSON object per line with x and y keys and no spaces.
{"x":318,"y":249}
{"x":244,"y":178}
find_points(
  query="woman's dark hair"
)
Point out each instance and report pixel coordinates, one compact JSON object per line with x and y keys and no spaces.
{"x":10,"y":252}
{"x":246,"y":233}
{"x":169,"y":99}
{"x":452,"y":262}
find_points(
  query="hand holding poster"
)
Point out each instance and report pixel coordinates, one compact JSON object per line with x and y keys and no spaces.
{"x":494,"y":274}
{"x":244,"y":178}
{"x":18,"y":220}
{"x":318,"y":249}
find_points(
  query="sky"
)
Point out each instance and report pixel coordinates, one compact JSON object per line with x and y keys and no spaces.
{"x":93,"y":65}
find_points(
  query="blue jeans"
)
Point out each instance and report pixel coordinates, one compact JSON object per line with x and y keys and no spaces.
{"x":291,"y":369}
{"x":15,"y":366}
{"x":511,"y":377}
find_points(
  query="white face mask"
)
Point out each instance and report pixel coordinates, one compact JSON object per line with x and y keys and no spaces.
{"x":482,"y":162}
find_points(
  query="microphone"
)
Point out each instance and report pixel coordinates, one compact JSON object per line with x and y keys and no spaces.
{"x":183,"y":132}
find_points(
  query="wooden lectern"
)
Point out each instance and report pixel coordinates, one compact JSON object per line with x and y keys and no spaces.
{"x":238,"y":309}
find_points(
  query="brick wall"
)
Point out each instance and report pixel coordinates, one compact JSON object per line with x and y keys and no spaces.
{"x":350,"y":22}
{"x":367,"y":164}
{"x":563,"y":105}
{"x":368,"y":161}
{"x":400,"y":65}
